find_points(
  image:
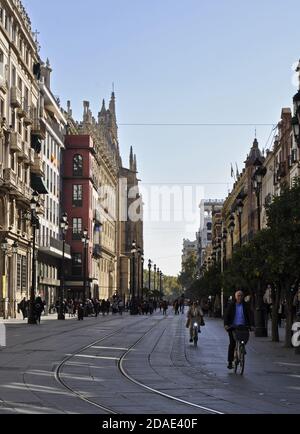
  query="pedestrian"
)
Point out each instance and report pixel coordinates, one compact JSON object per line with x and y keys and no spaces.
{"x":80,"y":312}
{"x":23,"y":307}
{"x":165,"y":307}
{"x":237,"y":314}
{"x":38,"y":309}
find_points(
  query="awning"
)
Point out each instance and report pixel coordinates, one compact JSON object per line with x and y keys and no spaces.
{"x":37,"y":184}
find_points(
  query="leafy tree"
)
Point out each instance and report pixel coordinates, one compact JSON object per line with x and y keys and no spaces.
{"x":284,"y":223}
{"x":189,"y":272}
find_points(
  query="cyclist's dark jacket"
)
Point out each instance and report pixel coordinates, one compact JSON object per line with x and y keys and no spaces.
{"x":230,"y":314}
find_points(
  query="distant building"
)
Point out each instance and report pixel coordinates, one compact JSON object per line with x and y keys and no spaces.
{"x":189,"y":248}
{"x":205,"y":233}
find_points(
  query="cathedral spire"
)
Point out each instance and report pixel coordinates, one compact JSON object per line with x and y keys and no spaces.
{"x":102,"y":113}
{"x":131,"y":162}
{"x":103,"y":109}
{"x":112,"y":105}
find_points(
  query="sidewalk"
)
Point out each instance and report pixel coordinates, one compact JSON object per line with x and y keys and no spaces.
{"x":49,"y":317}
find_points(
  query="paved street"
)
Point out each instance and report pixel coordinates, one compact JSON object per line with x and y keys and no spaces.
{"x":75,"y":367}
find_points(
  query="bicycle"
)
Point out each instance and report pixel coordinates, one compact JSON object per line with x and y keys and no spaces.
{"x":241,"y":336}
{"x":195,"y":334}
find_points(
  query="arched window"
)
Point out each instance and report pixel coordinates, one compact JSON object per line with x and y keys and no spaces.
{"x":77,"y":165}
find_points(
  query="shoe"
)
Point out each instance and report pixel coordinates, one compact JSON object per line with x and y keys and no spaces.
{"x":191,"y":340}
{"x":230,"y":366}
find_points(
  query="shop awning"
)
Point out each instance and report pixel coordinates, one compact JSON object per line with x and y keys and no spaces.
{"x":37,"y":184}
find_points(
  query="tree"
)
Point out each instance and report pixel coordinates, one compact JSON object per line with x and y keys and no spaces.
{"x":189,"y":271}
{"x":284,"y":223}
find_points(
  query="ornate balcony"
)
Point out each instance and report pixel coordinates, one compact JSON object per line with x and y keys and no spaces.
{"x":10,"y":178}
{"x":15,"y":97}
{"x":38,"y":129}
{"x":16,"y":144}
{"x":3,"y":84}
{"x":97,"y":251}
{"x":53,"y":247}
{"x":31,"y":153}
{"x":37,"y":166}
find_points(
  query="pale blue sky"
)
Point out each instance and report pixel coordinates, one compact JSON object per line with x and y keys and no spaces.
{"x":192,"y":61}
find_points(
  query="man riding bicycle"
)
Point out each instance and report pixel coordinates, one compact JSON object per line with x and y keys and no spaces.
{"x":237,"y":314}
{"x":195,"y":314}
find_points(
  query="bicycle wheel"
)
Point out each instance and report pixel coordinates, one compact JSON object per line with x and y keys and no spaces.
{"x":195,"y":338}
{"x":242,"y":359}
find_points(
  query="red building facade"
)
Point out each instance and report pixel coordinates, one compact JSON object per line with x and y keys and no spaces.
{"x":78,"y":204}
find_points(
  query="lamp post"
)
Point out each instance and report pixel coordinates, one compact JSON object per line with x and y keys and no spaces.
{"x":296,"y":130}
{"x":85,"y":241}
{"x":7,"y":249}
{"x":35,"y":225}
{"x":142,"y":276}
{"x":257,"y":188}
{"x":223,"y":265}
{"x":133,"y":281}
{"x":157,"y":272}
{"x":231,"y":231}
{"x":139,"y":263}
{"x":260,"y":323}
{"x":149,"y":275}
{"x":160,"y":284}
{"x":64,"y":225}
{"x":154,"y":288}
{"x":240,"y":207}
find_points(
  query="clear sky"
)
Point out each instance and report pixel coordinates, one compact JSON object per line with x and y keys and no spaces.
{"x":176,"y":62}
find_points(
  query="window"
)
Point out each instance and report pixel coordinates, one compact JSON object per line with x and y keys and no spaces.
{"x":14,"y":76}
{"x":76,"y":264}
{"x":1,"y":64}
{"x":77,"y":228}
{"x":2,"y":109}
{"x":209,"y":226}
{"x":24,"y":274}
{"x":13,"y":33}
{"x":77,"y":165}
{"x":77,"y":195}
{"x":6,"y":23}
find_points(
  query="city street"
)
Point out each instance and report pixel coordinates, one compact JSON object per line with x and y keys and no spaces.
{"x":140,"y":365}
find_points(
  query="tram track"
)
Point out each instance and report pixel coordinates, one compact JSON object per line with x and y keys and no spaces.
{"x":120,"y":365}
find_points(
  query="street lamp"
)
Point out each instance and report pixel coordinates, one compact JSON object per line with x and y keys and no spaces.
{"x":142,"y":276}
{"x":240,"y":207}
{"x":7,"y":249}
{"x":64,"y":225}
{"x":296,"y":129}
{"x":133,"y":253}
{"x":160,"y":284}
{"x":34,"y":205}
{"x":257,"y":180}
{"x":154,"y":277}
{"x":260,"y":324}
{"x":85,"y":240}
{"x":158,"y":271}
{"x":149,"y":274}
{"x":231,"y":231}
{"x":224,"y":239}
{"x":139,"y":263}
